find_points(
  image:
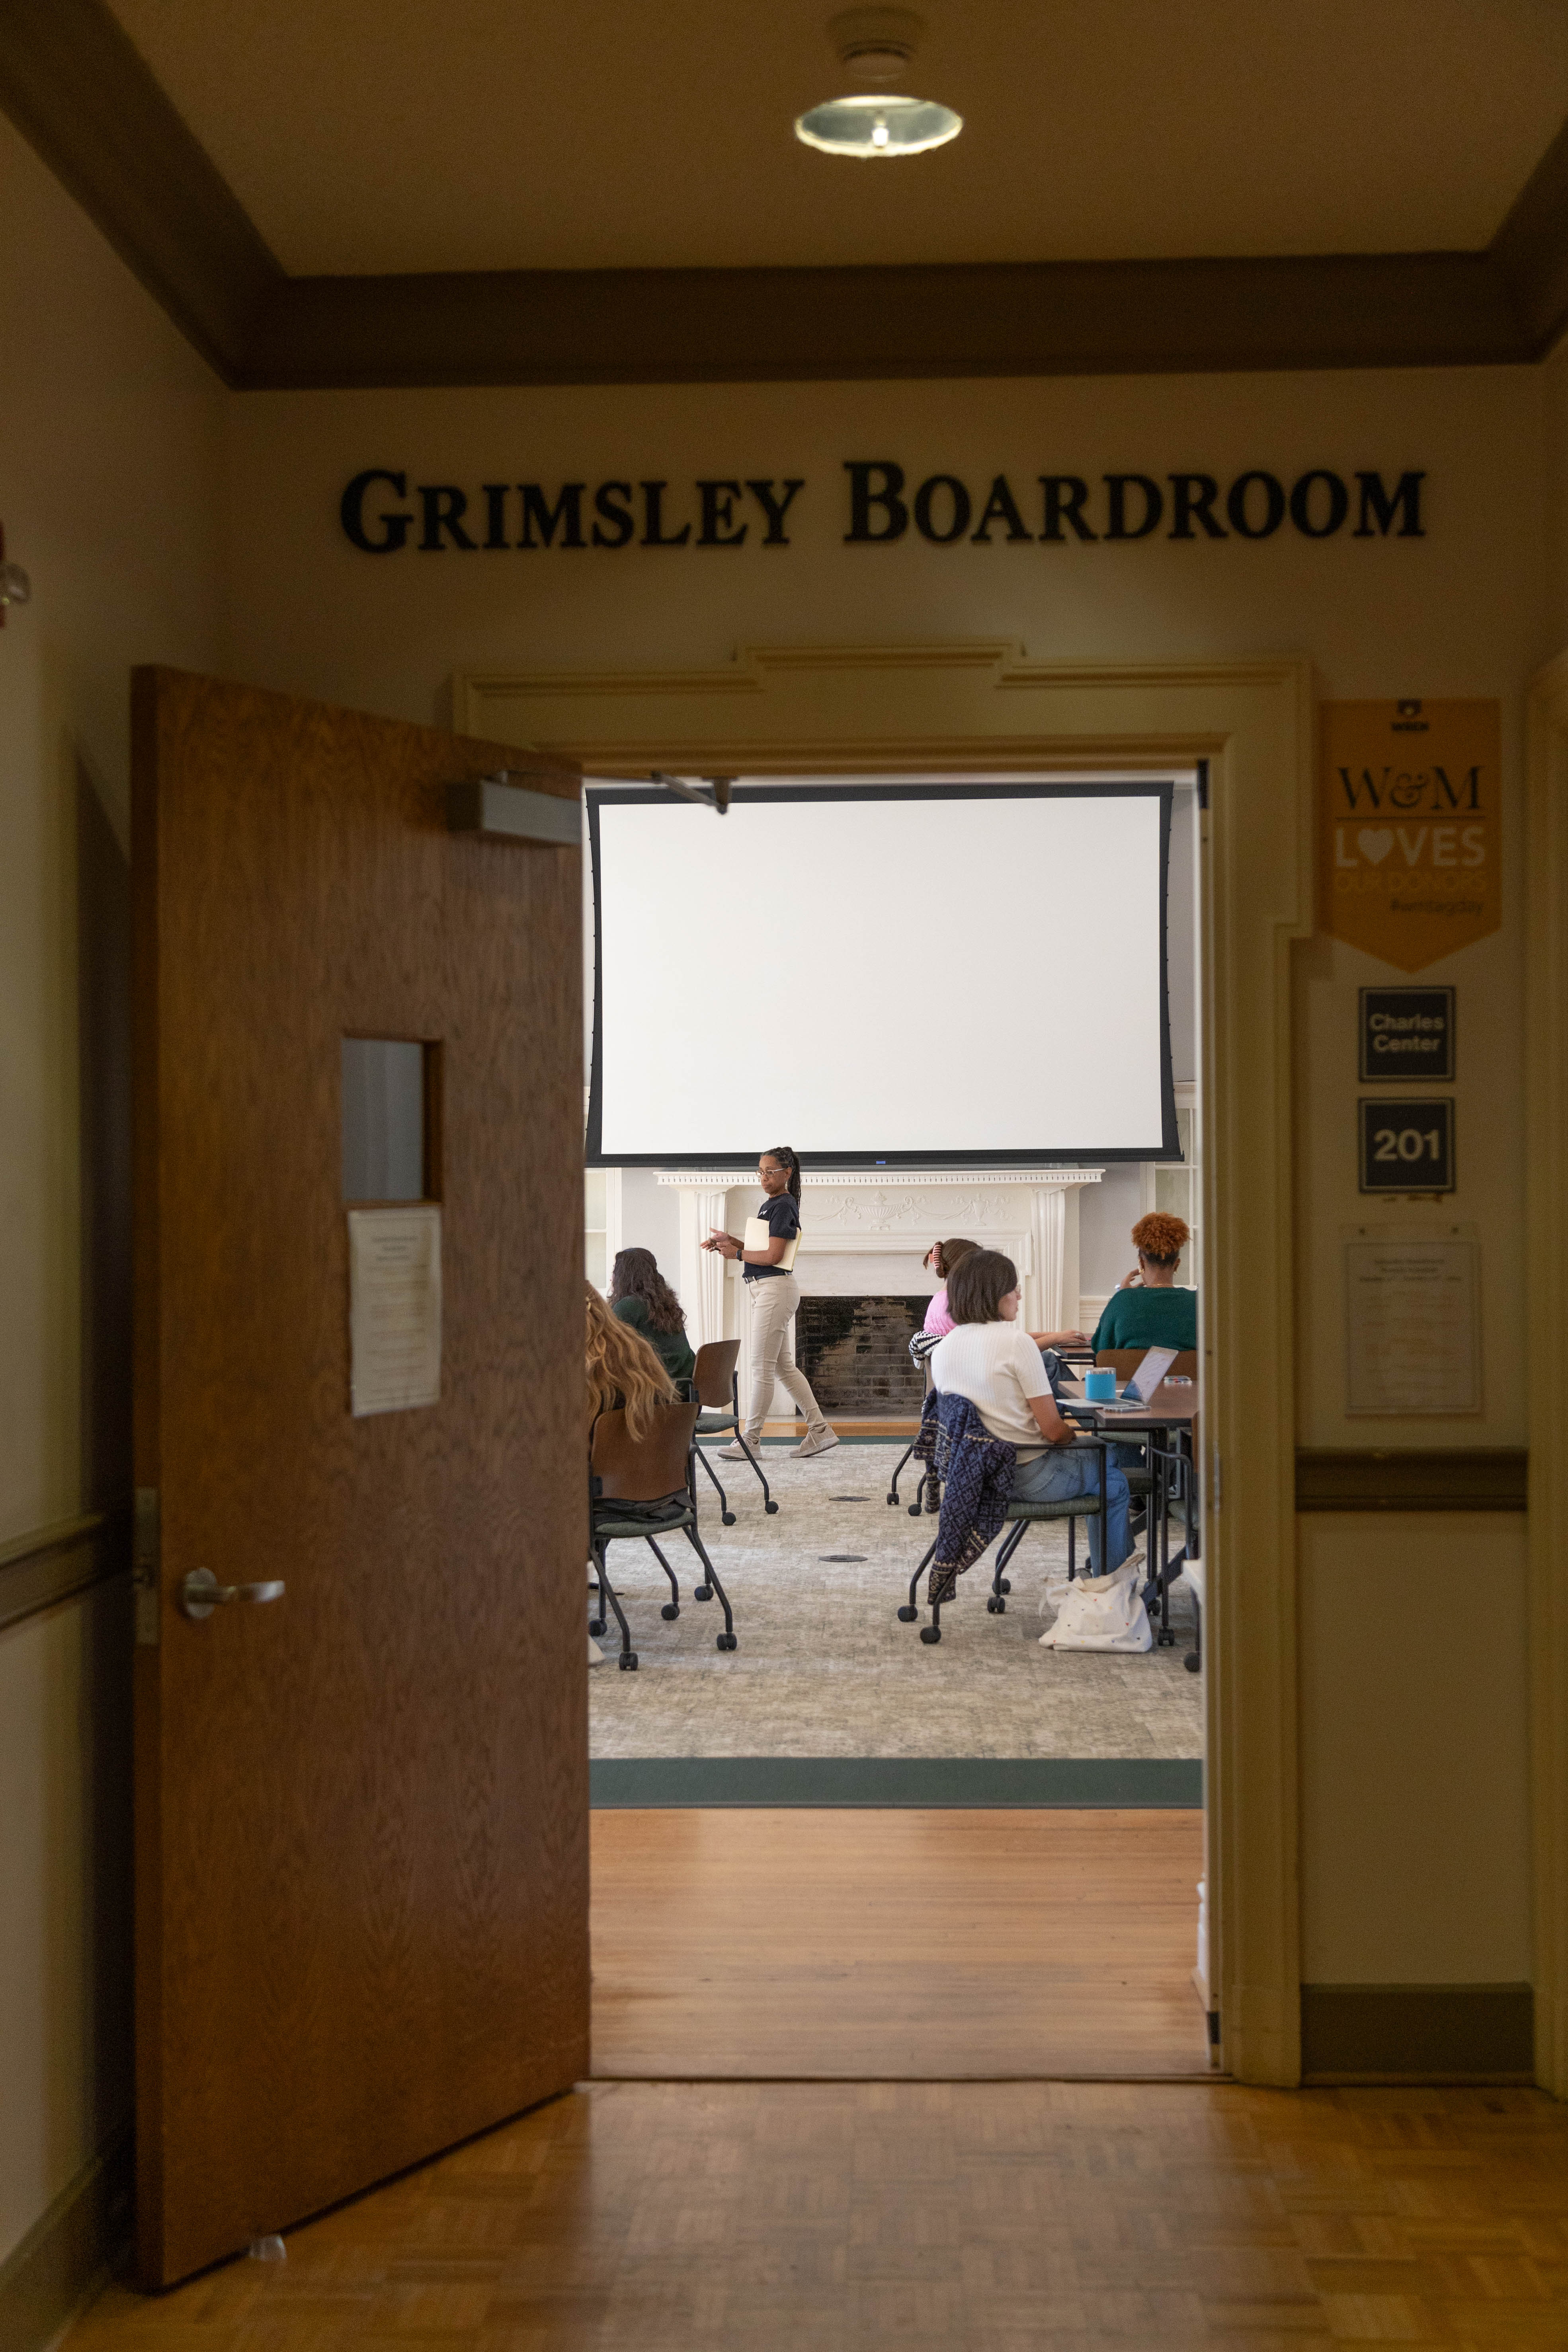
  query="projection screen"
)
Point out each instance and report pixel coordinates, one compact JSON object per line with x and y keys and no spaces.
{"x":932,"y":974}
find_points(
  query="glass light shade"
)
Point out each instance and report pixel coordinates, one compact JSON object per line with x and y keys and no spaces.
{"x":870,"y":127}
{"x":15,"y":588}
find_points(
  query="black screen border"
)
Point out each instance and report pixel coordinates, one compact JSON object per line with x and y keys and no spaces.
{"x":816,"y":1161}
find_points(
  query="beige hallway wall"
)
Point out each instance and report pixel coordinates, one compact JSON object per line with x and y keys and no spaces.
{"x":110,"y":436}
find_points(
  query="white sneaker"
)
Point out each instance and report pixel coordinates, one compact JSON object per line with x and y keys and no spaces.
{"x":733,"y":1454}
{"x":816,"y":1441}
{"x":595,"y":1655}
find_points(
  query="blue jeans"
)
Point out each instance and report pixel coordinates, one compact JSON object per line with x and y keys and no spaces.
{"x":1069,"y":1470}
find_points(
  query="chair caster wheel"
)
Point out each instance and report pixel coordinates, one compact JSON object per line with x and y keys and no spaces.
{"x":997,"y":1607}
{"x":1165,"y":1641}
{"x":728,"y":1517}
{"x":627,"y":1662}
{"x":908,"y":1616}
{"x":595,"y":1626}
{"x":702,"y":1592}
{"x":1004,"y":1584}
{"x":1193,"y":1663}
{"x":931,"y":1632}
{"x":727,"y":1641}
{"x":670,"y":1609}
{"x":914,"y":1510}
{"x":770,"y":1508}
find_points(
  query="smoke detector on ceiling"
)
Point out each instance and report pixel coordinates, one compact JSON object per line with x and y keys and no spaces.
{"x":875,"y":47}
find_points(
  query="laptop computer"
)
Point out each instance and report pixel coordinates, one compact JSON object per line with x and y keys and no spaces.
{"x":1139,"y":1393}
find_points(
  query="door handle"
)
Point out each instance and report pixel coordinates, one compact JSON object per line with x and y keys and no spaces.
{"x":200,"y":1593}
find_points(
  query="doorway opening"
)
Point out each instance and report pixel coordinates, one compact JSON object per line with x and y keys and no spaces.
{"x":805,"y":1848}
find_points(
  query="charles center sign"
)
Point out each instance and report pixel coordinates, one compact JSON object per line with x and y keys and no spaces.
{"x":384,"y":510}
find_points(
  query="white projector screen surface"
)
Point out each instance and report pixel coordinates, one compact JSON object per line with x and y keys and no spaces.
{"x":916,"y":973}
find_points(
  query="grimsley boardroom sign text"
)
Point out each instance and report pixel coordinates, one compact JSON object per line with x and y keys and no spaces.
{"x":383,"y":516}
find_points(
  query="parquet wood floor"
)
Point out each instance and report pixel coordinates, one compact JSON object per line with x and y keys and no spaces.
{"x":911,"y":1945}
{"x":731,"y":2217}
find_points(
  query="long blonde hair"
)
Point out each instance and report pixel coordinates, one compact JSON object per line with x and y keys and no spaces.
{"x":623,"y":1369}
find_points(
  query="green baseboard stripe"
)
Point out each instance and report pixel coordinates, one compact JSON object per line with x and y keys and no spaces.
{"x":1426,"y":2032}
{"x":1090,"y":1782}
{"x":68,"y":2251}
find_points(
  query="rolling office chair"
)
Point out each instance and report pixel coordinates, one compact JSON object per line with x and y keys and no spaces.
{"x":716,"y":1385}
{"x":644,"y":1488}
{"x":928,"y":1496}
{"x":1071,"y":1509}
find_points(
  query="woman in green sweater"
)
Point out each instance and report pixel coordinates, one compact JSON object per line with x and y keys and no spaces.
{"x":640,"y":1295}
{"x":1147,"y":1310}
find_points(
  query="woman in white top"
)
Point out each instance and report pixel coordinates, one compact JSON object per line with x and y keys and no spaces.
{"x":989,"y":1357}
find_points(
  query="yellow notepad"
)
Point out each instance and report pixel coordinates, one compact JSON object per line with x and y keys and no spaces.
{"x":759,"y":1234}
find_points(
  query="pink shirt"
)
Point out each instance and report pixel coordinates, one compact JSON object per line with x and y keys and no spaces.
{"x":938,"y":1319}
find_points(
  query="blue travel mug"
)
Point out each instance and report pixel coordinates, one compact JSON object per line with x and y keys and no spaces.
{"x":1100,"y":1385}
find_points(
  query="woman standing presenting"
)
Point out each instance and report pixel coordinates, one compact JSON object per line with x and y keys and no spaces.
{"x":774,"y":1294}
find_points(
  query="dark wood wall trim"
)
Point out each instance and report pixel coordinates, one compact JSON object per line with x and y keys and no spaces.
{"x":1420,"y":2034}
{"x":723,"y":326}
{"x":53,"y":1564}
{"x":68,"y":2251}
{"x":75,"y":86}
{"x":1478,"y":1479}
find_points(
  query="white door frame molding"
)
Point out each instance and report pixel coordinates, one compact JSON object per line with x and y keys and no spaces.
{"x":983,"y":707}
{"x":1546,"y":1192}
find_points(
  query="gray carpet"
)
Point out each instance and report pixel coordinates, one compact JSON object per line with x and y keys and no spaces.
{"x":824,"y":1669}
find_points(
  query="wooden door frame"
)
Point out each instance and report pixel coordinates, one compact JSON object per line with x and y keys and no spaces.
{"x":983,"y":707}
{"x":1546,"y":1301}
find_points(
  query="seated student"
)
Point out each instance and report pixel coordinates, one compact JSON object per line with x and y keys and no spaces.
{"x":1147,"y":1310}
{"x":624,"y":1374}
{"x":939,"y":1260}
{"x":640,"y":1295}
{"x":990,"y":1359}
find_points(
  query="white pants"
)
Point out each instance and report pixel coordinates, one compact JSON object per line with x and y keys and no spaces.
{"x":773,"y":1301}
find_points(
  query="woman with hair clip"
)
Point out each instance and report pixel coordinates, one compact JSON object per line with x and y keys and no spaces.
{"x":774,"y":1294}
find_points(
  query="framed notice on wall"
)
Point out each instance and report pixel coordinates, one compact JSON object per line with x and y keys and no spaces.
{"x":1412,"y":1322}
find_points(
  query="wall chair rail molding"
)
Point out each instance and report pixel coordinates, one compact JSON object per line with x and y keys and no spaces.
{"x":1466,"y":1478}
{"x":75,"y":86}
{"x":983,"y":707}
{"x":52,"y":1564}
{"x":1546,"y":1187}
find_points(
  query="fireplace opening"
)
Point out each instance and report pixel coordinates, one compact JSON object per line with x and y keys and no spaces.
{"x":855,"y":1354}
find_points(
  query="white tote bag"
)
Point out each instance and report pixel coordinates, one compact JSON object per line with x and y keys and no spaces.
{"x":1102,"y":1613}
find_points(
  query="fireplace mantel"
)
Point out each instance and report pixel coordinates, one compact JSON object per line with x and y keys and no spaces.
{"x":866,"y":1229}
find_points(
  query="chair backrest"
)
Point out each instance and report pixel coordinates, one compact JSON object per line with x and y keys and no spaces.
{"x":643,"y":1470}
{"x":714,"y":1377}
{"x":1124,"y":1363}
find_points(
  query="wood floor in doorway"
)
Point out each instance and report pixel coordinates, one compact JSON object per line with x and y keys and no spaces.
{"x":903,"y":1946}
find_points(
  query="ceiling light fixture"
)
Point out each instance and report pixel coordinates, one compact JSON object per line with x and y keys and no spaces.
{"x":876,"y":45}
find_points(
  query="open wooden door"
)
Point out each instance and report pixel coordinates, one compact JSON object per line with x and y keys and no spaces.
{"x":362,"y":1804}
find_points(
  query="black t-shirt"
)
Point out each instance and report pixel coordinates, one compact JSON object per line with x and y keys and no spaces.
{"x":782,"y":1219}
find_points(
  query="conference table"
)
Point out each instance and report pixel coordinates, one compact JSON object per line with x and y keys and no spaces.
{"x":1170,"y":1413}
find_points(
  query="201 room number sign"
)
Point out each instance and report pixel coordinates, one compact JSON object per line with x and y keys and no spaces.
{"x":1407,"y":1146}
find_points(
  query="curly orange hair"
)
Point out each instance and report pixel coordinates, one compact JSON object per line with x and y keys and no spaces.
{"x":1161,"y":1236}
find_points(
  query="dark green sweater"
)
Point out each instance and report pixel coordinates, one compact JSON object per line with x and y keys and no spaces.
{"x":1162,"y":1317}
{"x":672,"y":1348}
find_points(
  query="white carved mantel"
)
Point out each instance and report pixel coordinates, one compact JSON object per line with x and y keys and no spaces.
{"x":866,"y":1231}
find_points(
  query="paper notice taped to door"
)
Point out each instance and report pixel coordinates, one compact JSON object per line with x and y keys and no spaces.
{"x":394,"y":1308}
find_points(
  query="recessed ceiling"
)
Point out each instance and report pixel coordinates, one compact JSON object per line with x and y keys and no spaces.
{"x":392,"y":135}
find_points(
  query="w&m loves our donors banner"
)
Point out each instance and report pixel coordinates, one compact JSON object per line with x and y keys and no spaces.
{"x":1409,"y":826}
